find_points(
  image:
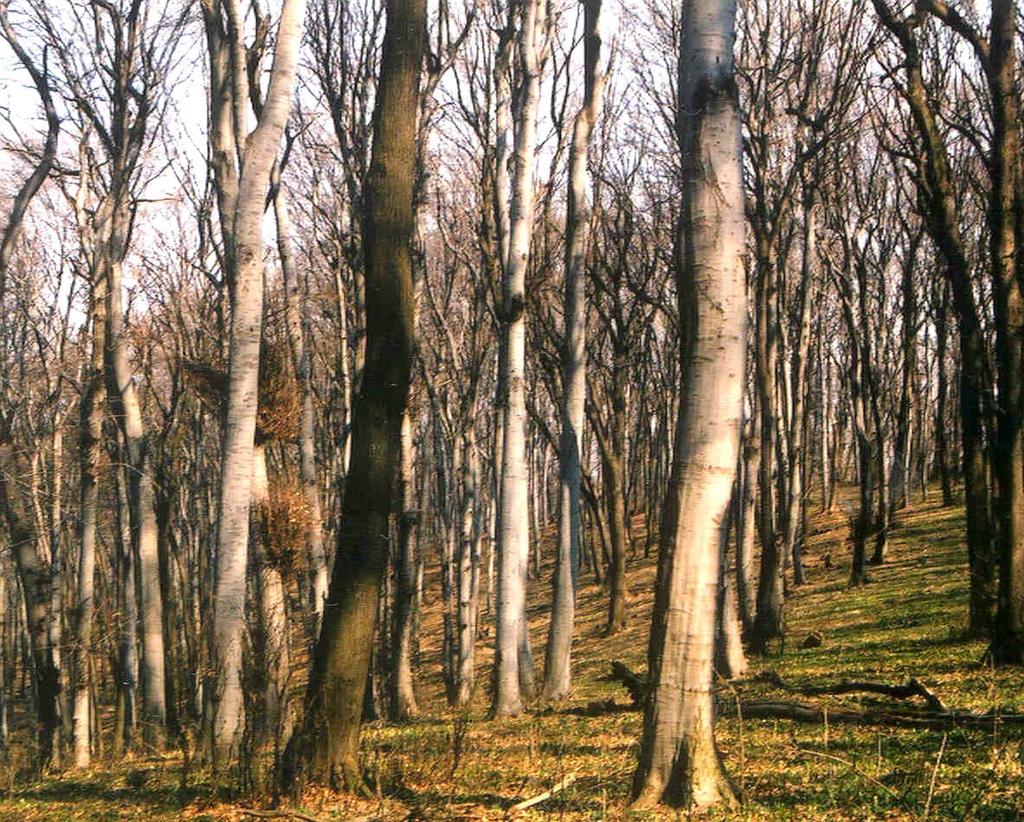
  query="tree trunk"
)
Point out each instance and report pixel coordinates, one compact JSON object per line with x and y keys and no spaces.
{"x":905,"y":415}
{"x":127,"y":661}
{"x":768,"y":622}
{"x":793,"y":535}
{"x":1005,"y":222}
{"x":271,"y":658}
{"x":615,"y":505}
{"x":679,"y":762}
{"x":245,"y":256}
{"x":557,"y":664}
{"x":296,"y":325}
{"x":34,"y":572}
{"x":513,"y":533}
{"x":468,"y":571}
{"x":126,"y":409}
{"x":941,"y":403}
{"x":90,"y":453}
{"x":325,"y":746}
{"x":746,"y":592}
{"x":403,"y":695}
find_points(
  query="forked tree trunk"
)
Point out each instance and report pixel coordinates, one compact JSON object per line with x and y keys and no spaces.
{"x":511,"y":645}
{"x":325,"y":746}
{"x":246,"y":262}
{"x":679,"y":762}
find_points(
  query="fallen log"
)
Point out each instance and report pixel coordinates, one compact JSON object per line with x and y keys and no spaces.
{"x":818,"y":715}
{"x":936,"y":716}
{"x":913,"y":687}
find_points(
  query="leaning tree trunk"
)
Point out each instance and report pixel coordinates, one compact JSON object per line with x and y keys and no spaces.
{"x":557,"y":663}
{"x":679,"y":762}
{"x":943,"y":225}
{"x":513,"y":531}
{"x":260,"y":149}
{"x":325,"y":746}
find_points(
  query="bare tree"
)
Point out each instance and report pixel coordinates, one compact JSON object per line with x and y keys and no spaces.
{"x":242,"y":164}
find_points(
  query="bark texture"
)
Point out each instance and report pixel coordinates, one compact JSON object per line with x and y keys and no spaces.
{"x":679,"y":763}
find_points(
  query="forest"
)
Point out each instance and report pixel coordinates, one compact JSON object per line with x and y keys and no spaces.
{"x":490,"y":409}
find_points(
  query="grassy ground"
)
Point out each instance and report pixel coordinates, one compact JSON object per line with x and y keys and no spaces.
{"x":908,"y":622}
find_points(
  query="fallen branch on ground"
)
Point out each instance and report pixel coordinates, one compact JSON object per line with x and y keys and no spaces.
{"x":561,"y":784}
{"x":817,"y":714}
{"x":908,"y":690}
{"x":937,"y":715}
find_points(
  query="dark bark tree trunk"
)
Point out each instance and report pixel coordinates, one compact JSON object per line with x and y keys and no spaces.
{"x":325,"y":745}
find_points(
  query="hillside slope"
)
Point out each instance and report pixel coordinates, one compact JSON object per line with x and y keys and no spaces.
{"x":908,"y":622}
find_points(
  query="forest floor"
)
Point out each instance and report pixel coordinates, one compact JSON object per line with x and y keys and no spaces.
{"x":909,"y":621}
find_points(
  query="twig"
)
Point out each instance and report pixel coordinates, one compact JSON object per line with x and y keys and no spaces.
{"x":561,"y":784}
{"x":935,"y":774}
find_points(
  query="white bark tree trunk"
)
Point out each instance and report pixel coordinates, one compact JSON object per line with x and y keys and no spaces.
{"x":142,"y":511}
{"x":513,"y":521}
{"x":260,"y":149}
{"x":557,"y":664}
{"x":679,"y":762}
